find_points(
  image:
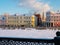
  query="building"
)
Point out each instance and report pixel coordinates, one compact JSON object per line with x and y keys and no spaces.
{"x":38,"y":20}
{"x":53,"y":19}
{"x":24,"y":21}
{"x":43,"y":18}
{"x":2,"y":20}
{"x":11,"y":20}
{"x":33,"y":21}
{"x":49,"y":22}
{"x":20,"y":20}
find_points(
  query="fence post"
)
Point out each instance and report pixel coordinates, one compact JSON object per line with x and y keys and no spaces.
{"x":57,"y":38}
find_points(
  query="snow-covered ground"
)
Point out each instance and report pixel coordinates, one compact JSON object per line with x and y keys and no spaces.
{"x":27,"y":33}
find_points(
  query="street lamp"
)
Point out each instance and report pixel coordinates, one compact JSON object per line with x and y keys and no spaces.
{"x":57,"y":24}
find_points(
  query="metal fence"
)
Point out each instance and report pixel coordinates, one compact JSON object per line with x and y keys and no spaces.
{"x":30,"y":41}
{"x":25,"y":41}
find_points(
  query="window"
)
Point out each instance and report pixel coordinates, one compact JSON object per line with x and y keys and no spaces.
{"x":29,"y":17}
{"x":20,"y":17}
{"x":20,"y":21}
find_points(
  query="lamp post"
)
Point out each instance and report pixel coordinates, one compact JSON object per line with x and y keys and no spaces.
{"x":53,"y":22}
{"x":57,"y":25}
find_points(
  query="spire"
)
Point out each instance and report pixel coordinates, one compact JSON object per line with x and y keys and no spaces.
{"x":43,"y":16}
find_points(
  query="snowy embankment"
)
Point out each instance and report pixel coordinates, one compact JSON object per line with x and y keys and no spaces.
{"x":19,"y":33}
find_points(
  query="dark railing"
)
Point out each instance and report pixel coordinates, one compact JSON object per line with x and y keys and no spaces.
{"x":25,"y":41}
{"x":30,"y":41}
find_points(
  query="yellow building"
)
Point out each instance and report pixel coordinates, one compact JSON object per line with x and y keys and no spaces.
{"x":33,"y":21}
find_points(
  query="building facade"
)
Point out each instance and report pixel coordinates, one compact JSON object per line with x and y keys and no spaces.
{"x":21,"y":20}
{"x":24,"y":20}
{"x":38,"y":20}
{"x":53,"y":19}
{"x":18,"y":20}
{"x":2,"y":20}
{"x":33,"y":21}
{"x":43,"y":18}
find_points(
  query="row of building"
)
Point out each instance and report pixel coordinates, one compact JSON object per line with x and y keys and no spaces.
{"x":48,"y":19}
{"x":16,"y":21}
{"x":7,"y":20}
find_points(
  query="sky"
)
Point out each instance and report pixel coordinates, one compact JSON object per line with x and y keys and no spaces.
{"x":28,"y":6}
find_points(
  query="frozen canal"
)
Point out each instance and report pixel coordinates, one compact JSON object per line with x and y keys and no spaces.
{"x":19,"y":33}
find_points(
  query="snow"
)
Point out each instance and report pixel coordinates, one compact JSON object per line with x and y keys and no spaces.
{"x":21,"y":33}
